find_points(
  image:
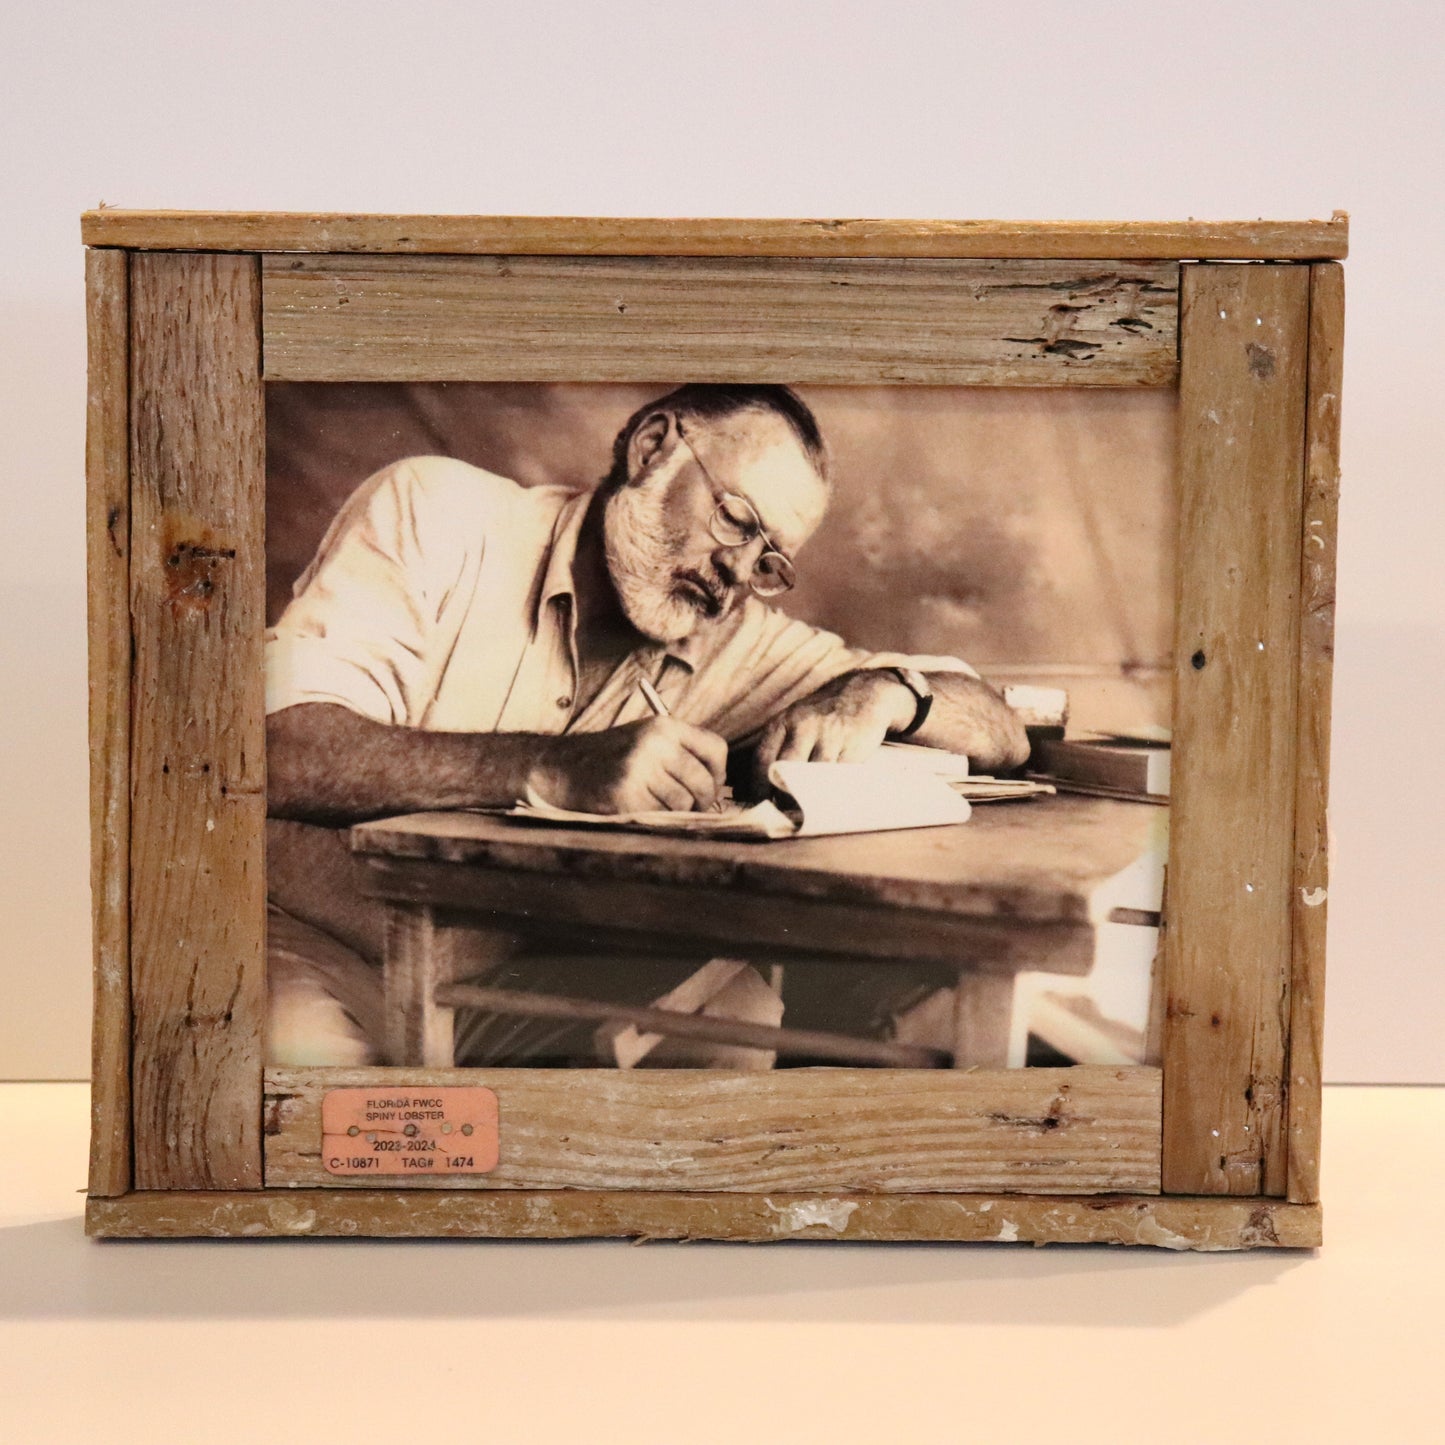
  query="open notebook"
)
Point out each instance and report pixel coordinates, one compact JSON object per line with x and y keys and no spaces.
{"x":891,"y":790}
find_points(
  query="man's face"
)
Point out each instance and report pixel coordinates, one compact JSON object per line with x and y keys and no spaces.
{"x":670,"y":571}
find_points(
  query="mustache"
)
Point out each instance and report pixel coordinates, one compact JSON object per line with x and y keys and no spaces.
{"x":719,"y":595}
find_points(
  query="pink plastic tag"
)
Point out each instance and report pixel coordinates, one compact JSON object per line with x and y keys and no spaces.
{"x":409,"y":1131}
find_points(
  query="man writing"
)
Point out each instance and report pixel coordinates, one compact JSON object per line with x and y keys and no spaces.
{"x":459,"y":639}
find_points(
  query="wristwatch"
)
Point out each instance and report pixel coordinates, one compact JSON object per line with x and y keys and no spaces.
{"x":917,"y":684}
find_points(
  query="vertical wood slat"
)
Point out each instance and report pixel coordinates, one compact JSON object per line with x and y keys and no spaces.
{"x":197,"y":748}
{"x":1231,"y":867}
{"x":1317,"y":627}
{"x":107,"y":527}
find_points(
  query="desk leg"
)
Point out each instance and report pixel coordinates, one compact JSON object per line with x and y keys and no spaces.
{"x":420,"y":954}
{"x":982,"y":1010}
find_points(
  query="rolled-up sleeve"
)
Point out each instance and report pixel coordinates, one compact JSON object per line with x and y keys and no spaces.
{"x":772,"y":660}
{"x":361,"y":628}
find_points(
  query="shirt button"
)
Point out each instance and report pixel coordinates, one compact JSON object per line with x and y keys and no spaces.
{"x":564,"y":702}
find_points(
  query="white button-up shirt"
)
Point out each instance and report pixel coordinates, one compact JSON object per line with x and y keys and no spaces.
{"x":442,"y":597}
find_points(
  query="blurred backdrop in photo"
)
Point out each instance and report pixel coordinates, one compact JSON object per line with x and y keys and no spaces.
{"x":1030,"y":532}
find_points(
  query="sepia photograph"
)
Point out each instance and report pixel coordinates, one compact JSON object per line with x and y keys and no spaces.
{"x":716,"y":725}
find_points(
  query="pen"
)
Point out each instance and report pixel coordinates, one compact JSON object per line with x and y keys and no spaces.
{"x":660,"y":709}
{"x":653,"y":698}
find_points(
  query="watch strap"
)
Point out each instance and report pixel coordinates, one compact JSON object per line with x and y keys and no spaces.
{"x":923,"y":697}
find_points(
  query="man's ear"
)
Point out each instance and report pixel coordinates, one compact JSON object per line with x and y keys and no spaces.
{"x":646,"y":442}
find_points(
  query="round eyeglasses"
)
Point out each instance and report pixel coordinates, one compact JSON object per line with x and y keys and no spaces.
{"x":735,"y":523}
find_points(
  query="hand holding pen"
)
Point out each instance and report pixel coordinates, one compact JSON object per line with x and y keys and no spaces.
{"x":660,"y":709}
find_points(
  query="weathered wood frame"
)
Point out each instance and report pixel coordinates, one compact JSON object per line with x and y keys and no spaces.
{"x":188,"y":315}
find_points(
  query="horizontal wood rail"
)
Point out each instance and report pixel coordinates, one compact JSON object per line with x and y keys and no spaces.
{"x":1183,"y":1223}
{"x":1084,"y":1130}
{"x":626,"y":236}
{"x":813,"y":1043}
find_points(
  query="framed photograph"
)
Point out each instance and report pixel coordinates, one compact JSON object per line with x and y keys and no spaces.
{"x":710,"y":729}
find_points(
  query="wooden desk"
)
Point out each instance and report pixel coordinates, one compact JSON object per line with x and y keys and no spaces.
{"x":1020,"y":886}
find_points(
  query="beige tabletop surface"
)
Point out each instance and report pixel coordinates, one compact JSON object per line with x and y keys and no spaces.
{"x":263,"y":1342}
{"x":1043,"y":859}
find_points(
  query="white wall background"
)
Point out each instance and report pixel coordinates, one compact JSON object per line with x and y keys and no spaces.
{"x":943,"y":108}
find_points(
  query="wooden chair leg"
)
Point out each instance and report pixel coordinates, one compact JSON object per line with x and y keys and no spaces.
{"x":982,"y":1012}
{"x":420,"y":955}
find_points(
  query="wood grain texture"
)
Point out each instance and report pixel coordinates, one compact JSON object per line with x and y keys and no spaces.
{"x":197,"y":761}
{"x":624,"y":236}
{"x":1317,"y":642}
{"x":579,"y":318}
{"x":1207,"y":1224}
{"x":1034,"y":1131}
{"x":1229,"y":908}
{"x":107,"y":525}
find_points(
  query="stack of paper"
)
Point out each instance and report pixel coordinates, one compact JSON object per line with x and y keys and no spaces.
{"x":953,"y":768}
{"x":813,"y":800}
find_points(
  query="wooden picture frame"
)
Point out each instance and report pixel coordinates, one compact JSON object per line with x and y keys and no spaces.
{"x":190,"y":315}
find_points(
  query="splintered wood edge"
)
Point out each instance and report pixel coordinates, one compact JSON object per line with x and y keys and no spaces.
{"x":1311,"y":240}
{"x":1178,"y":1223}
{"x":813,"y":320}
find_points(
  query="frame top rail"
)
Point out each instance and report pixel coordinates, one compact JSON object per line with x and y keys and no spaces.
{"x":1258,"y":240}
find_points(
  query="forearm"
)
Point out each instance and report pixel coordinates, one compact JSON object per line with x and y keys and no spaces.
{"x":846,"y":719}
{"x":969,"y":717}
{"x":327,"y":764}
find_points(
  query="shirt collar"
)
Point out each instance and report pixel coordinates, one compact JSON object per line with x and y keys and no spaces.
{"x":557,"y":579}
{"x":559,"y":585}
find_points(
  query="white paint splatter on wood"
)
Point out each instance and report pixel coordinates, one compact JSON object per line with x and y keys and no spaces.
{"x":831,"y":1213}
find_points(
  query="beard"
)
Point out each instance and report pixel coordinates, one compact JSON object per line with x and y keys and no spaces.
{"x":642,"y":546}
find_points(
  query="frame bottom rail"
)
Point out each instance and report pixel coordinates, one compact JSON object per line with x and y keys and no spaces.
{"x":1180,"y":1223}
